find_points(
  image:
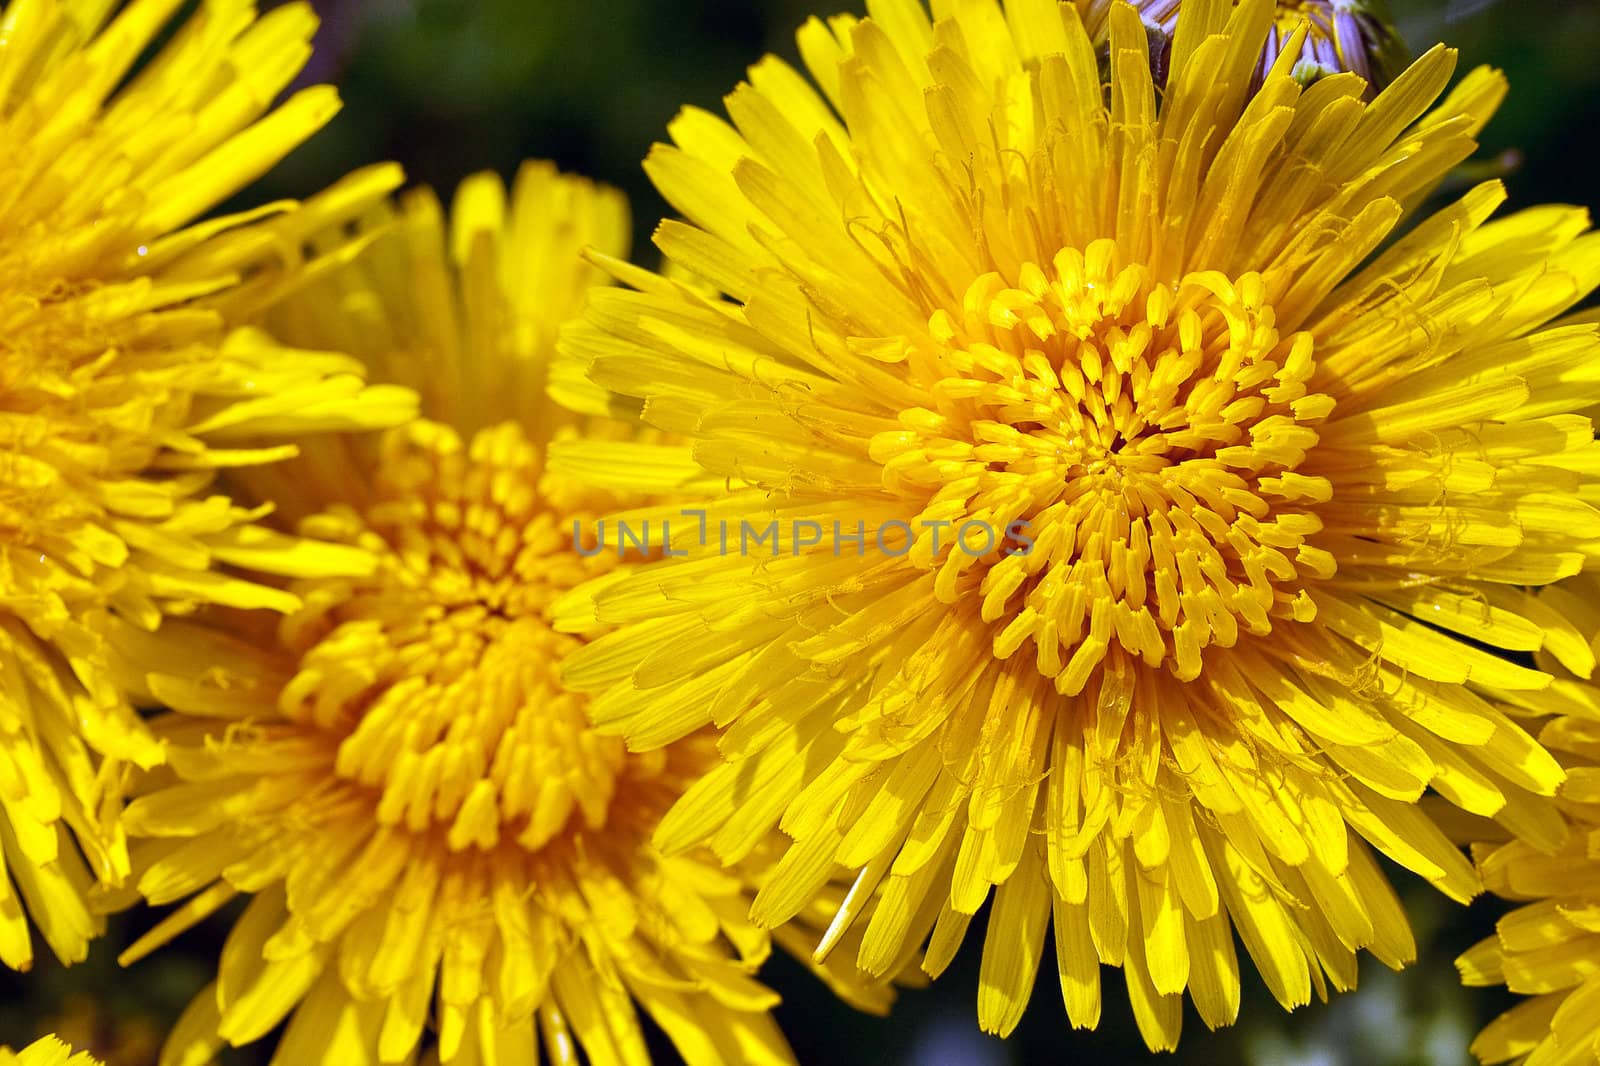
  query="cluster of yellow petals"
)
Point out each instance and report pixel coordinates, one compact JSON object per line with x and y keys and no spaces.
{"x":122,"y":395}
{"x":1548,"y":947}
{"x":46,"y":1051}
{"x":417,"y":806}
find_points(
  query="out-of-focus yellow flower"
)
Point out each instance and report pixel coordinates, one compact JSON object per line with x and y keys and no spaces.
{"x":47,"y":1051}
{"x":85,"y":1019}
{"x":426,"y":822}
{"x":1142,"y":519}
{"x":120,"y":399}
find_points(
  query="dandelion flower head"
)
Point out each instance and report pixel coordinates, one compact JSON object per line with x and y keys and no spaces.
{"x":428,"y":828}
{"x":1151,"y":506}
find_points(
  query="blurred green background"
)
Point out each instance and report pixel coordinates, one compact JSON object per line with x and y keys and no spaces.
{"x":449,"y":87}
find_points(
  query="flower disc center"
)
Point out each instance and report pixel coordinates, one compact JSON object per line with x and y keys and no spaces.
{"x":1138,"y":441}
{"x":438,"y":676}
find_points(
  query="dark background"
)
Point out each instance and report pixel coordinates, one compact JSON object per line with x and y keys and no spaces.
{"x":449,"y":87}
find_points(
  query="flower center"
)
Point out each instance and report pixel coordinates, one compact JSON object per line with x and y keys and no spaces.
{"x":1291,"y":13}
{"x":1132,"y":446}
{"x":438,"y":676}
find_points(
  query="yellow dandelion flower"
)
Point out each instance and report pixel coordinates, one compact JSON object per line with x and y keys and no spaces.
{"x":425,"y":821}
{"x":120,"y":399}
{"x":1549,"y":949}
{"x":46,"y":1051}
{"x":1132,"y":521}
